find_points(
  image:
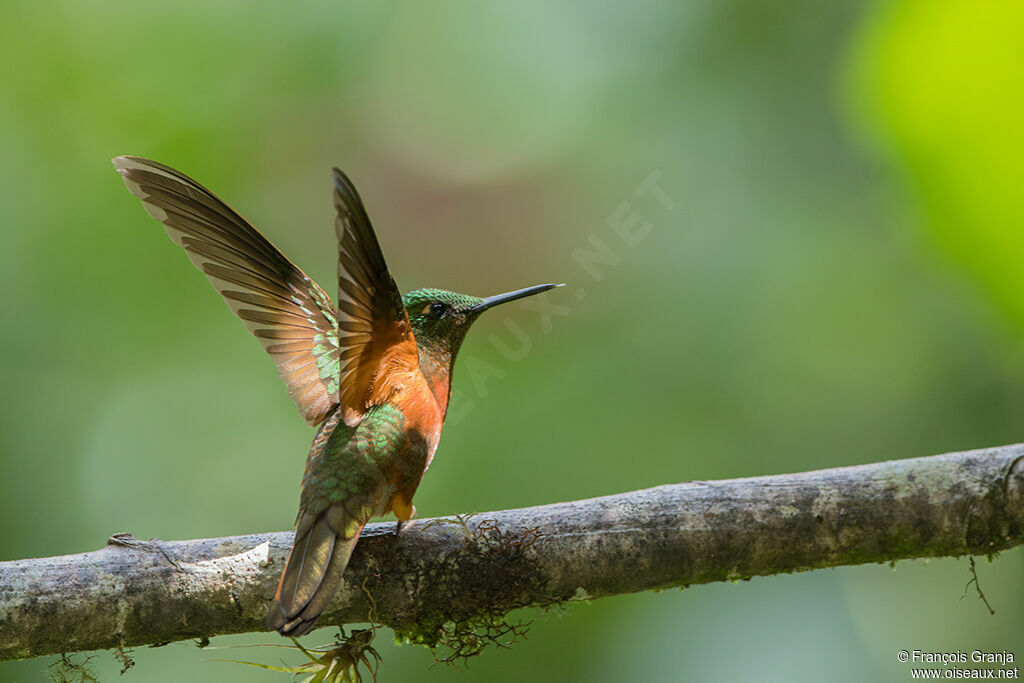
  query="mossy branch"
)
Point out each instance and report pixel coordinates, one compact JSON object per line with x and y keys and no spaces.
{"x":439,"y":576}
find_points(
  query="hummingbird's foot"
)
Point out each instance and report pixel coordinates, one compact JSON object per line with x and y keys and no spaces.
{"x":398,"y":525}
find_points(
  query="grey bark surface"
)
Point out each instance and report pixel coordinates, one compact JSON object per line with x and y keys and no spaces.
{"x":440,"y":571}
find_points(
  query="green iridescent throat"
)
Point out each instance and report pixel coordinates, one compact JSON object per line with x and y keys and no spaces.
{"x":440,"y":320}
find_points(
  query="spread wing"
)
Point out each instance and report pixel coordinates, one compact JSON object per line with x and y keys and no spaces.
{"x":287,"y":312}
{"x":374,"y":330}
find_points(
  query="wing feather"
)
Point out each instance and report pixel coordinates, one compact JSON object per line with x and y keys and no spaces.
{"x":371,"y":317}
{"x":293,"y":319}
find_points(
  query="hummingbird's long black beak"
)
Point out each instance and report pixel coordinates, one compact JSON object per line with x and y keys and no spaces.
{"x":492,"y":301}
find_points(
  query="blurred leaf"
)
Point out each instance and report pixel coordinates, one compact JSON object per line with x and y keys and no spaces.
{"x":940,"y":84}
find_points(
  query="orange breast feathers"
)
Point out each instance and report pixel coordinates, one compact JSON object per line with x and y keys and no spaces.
{"x":400,"y":382}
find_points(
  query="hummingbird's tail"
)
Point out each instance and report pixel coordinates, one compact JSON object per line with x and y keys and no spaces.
{"x":323,"y":545}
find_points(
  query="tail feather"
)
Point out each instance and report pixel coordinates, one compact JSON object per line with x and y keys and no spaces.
{"x":321,"y":551}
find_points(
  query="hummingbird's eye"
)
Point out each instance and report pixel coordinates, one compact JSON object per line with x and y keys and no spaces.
{"x":435,"y":310}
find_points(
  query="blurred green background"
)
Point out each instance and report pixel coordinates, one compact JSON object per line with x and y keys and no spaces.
{"x":839,"y":281}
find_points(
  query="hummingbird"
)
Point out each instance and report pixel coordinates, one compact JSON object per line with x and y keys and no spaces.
{"x":373,"y":373}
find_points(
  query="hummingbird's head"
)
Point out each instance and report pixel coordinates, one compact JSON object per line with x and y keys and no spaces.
{"x":440,"y":320}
